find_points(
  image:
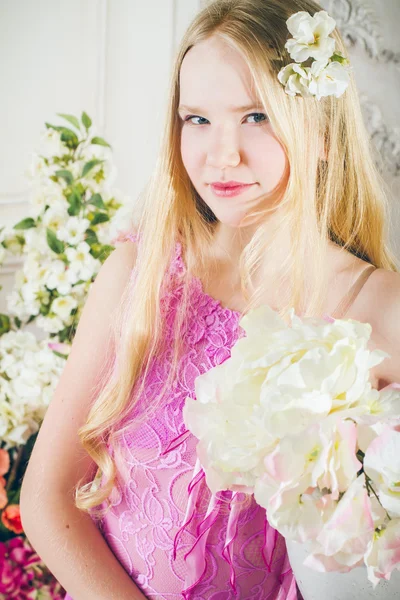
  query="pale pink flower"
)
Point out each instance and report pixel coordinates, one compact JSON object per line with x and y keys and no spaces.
{"x":345,"y":537}
{"x":383,"y":555}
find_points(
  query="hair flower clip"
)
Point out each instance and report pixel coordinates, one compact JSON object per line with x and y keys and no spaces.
{"x":327,"y":73}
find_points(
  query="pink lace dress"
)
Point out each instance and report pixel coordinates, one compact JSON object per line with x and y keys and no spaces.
{"x":174,"y":538}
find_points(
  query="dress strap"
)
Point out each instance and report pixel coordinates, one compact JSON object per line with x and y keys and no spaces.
{"x":344,"y":305}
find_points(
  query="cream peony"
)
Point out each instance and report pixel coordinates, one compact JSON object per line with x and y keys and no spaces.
{"x":280,"y":380}
{"x":288,"y":417}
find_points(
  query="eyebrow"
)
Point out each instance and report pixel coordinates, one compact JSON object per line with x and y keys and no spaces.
{"x":234,"y":109}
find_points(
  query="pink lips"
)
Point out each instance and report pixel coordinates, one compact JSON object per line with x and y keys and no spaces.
{"x":229,"y":188}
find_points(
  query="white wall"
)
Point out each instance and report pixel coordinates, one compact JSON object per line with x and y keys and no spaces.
{"x":109,"y":58}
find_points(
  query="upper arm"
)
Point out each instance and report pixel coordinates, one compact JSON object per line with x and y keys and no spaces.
{"x":58,"y":460}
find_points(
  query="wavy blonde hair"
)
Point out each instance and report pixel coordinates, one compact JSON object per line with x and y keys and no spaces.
{"x":341,"y":199}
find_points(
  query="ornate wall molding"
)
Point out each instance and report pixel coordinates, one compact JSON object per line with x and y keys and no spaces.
{"x":360,"y":25}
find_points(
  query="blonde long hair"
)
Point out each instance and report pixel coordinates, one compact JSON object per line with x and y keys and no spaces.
{"x":340,"y":198}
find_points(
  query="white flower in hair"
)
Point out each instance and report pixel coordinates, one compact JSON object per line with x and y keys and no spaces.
{"x":328,"y":79}
{"x":310,"y":36}
{"x":327,"y":73}
{"x":296,"y":80}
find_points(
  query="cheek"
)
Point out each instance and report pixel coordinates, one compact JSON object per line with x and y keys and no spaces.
{"x":269,"y":160}
{"x":190,"y":152}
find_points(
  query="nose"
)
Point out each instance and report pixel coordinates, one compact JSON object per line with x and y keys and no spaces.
{"x":223,"y":150}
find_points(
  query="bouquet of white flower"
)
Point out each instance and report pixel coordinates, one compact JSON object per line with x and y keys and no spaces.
{"x":292,"y":417}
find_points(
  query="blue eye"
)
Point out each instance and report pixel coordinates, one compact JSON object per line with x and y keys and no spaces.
{"x":264,"y":117}
{"x":189,"y":119}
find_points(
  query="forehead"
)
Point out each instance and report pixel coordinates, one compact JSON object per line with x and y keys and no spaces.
{"x":214,"y":72}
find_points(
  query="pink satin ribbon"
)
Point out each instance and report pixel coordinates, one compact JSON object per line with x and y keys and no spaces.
{"x":195,"y":559}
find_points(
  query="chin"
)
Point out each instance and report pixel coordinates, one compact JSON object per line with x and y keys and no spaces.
{"x":234,"y":222}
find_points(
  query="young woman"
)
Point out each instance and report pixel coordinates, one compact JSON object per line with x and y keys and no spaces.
{"x":265,"y":192}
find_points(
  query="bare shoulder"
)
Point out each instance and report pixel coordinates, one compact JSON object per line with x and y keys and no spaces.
{"x":123,"y":258}
{"x":379,"y":304}
{"x":381,"y":296}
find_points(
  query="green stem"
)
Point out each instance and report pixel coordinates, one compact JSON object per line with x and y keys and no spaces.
{"x":14,"y":468}
{"x":369,"y":487}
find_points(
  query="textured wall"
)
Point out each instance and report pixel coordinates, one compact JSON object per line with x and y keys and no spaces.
{"x":370,"y":28}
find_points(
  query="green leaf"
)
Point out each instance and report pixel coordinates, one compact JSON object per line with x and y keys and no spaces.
{"x":338,"y":57}
{"x":60,"y":355}
{"x":99,"y":218}
{"x":17,"y":322}
{"x":105,"y":252}
{"x":4,"y":324}
{"x":75,"y":202}
{"x":13,"y":496}
{"x":89,"y":166}
{"x":86,"y":120}
{"x":68,"y":136}
{"x":100,"y":142}
{"x":66,"y":175}
{"x":97,"y":200}
{"x":27,"y":223}
{"x":55,"y":127}
{"x":71,"y":119}
{"x":44,"y":310}
{"x":55,"y":244}
{"x":91,"y":237}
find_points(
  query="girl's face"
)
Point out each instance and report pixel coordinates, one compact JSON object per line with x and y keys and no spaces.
{"x":226,"y":136}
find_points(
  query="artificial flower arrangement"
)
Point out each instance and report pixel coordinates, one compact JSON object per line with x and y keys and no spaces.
{"x":292,"y":418}
{"x":62,"y":242}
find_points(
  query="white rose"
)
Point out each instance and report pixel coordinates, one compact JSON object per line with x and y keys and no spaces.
{"x":310,"y":36}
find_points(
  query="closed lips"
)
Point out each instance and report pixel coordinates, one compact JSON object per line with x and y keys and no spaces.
{"x":229,"y":184}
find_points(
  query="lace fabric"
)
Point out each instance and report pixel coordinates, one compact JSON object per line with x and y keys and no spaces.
{"x":174,"y":538}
